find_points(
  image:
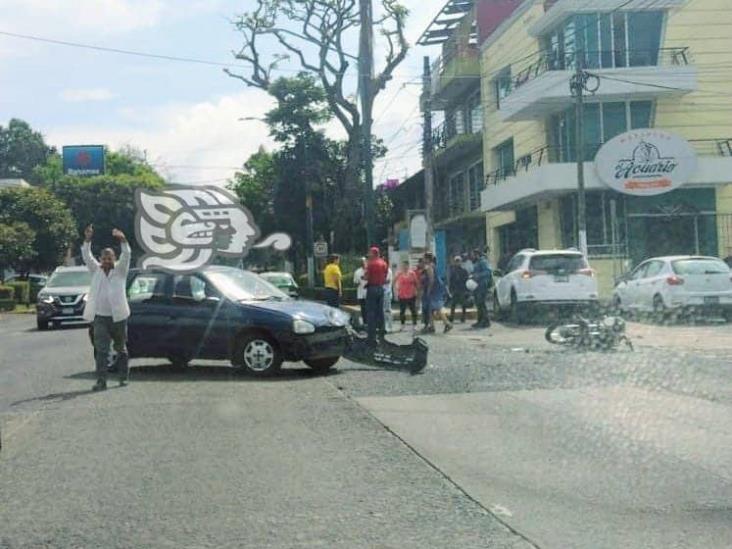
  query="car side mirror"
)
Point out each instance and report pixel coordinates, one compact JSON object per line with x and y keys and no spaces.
{"x":212,"y":300}
{"x":497,"y":273}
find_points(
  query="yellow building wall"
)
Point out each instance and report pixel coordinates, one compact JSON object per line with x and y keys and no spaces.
{"x":550,"y":234}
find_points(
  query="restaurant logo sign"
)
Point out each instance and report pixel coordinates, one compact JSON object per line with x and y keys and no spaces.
{"x":646,"y":162}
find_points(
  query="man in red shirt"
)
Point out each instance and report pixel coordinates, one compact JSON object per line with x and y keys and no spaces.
{"x":375,"y":276}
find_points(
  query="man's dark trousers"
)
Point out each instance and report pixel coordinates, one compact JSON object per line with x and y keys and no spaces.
{"x":480,"y":298}
{"x":458,"y":298}
{"x":332,"y":298}
{"x":106,"y":333}
{"x":375,"y":311}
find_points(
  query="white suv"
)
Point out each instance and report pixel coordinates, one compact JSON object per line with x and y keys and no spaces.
{"x":546,"y":278}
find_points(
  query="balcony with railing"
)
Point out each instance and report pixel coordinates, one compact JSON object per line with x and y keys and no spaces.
{"x":541,"y":85}
{"x":551,"y":171}
{"x":455,"y":71}
{"x":449,"y":141}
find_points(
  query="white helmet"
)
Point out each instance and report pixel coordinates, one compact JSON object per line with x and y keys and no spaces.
{"x":471,"y":285}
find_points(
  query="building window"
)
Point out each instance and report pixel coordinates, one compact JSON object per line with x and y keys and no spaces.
{"x":475,"y":180}
{"x":502,"y":85}
{"x":606,"y":40}
{"x":603,"y":121}
{"x":600,"y":223}
{"x":457,"y":195}
{"x":503,"y":159}
{"x":475,"y":114}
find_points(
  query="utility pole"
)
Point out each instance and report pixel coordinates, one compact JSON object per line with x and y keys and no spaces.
{"x":427,"y":147}
{"x":366,"y":78}
{"x":578,"y":86}
{"x":308,"y":218}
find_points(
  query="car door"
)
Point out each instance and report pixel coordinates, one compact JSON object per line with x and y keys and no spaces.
{"x":649,"y":285}
{"x":148,"y":295}
{"x":629,"y":294}
{"x":199,"y":319}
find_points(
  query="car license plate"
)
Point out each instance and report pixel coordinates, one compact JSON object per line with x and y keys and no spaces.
{"x":561,"y":278}
{"x":67,"y":311}
{"x":713,"y":300}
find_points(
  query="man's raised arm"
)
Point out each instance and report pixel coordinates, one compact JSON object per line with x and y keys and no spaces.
{"x":124,"y":259}
{"x":86,"y":254}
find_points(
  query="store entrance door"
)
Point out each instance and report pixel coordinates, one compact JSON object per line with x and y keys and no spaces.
{"x":654,"y":235}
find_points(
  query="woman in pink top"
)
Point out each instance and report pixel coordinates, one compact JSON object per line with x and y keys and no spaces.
{"x":406,"y":287}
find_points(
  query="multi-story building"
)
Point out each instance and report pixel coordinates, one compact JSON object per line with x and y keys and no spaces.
{"x":659,"y":64}
{"x":458,"y":135}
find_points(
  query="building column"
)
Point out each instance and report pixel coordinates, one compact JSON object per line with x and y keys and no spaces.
{"x":550,"y":228}
{"x":724,"y":220}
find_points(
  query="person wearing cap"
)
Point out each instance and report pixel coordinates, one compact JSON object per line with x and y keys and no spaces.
{"x":360,"y":283}
{"x":333,"y":279}
{"x":375,"y":277}
{"x":458,"y":291}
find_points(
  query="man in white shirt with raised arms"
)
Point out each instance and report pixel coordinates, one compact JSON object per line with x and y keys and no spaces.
{"x":106,"y":307}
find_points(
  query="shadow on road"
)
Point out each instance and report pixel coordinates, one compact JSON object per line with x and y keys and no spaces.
{"x":59,"y":397}
{"x":166,"y":372}
{"x":62,"y":327}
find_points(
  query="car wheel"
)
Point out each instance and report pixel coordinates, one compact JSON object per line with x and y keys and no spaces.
{"x":617,"y":305}
{"x":518,"y":310}
{"x":257,"y":354}
{"x":497,"y":311}
{"x":322,"y":365}
{"x":660,"y":313}
{"x":179,"y":362}
{"x":42,"y":324}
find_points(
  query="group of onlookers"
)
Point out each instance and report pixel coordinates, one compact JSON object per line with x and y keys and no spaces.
{"x":416,"y":289}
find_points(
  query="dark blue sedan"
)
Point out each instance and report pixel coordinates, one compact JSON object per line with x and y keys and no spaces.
{"x":222,"y":313}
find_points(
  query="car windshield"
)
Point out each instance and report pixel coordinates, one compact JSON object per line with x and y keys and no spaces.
{"x":244,"y":286}
{"x":278,"y":280}
{"x":700,"y":266}
{"x":69,"y":278}
{"x":568,"y":263}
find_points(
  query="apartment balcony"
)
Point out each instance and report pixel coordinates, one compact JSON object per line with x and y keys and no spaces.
{"x":550,"y":172}
{"x":451,"y":143}
{"x":454,"y":73}
{"x":542,"y":87}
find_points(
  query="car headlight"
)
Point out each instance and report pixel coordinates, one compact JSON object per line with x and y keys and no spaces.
{"x":300,"y":326}
{"x":339,"y":318}
{"x":86,"y":298}
{"x":45,"y":299}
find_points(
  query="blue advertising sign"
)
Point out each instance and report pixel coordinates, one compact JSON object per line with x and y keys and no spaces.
{"x":83,"y":160}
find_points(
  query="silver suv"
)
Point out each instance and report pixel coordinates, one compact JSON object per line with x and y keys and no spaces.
{"x":63,"y":298}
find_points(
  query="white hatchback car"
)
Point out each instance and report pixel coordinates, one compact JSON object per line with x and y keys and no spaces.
{"x":684,"y":282}
{"x":545,"y":278}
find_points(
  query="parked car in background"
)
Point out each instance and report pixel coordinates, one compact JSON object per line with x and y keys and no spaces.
{"x":63,"y":297}
{"x":284,"y":281}
{"x":677,"y":283}
{"x":546,"y":279}
{"x":223,"y":313}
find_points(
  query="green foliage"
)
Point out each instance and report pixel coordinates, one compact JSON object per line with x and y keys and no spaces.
{"x":47,"y":216}
{"x":21,"y":290}
{"x":255,"y":188}
{"x":6,"y":292}
{"x":301,"y":105}
{"x":16,"y":246}
{"x":7,"y":304}
{"x":21,"y":150}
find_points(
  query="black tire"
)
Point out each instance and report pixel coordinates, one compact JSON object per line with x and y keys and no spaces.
{"x":548,"y":333}
{"x":498,"y":313}
{"x":660,"y":313}
{"x":42,"y":325}
{"x":518,"y":310}
{"x":179,"y":362}
{"x":257,"y":354}
{"x":322,"y":365}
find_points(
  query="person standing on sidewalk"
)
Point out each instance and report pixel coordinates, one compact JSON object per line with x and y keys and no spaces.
{"x":358,"y":280}
{"x":388,"y":296}
{"x":406,"y":284}
{"x":435,"y":295}
{"x":482,"y":274}
{"x":375,"y":277}
{"x":458,"y":291}
{"x":106,"y":306}
{"x":333,"y":279}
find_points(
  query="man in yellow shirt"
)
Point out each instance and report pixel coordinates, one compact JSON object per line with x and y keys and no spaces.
{"x":333,"y":281}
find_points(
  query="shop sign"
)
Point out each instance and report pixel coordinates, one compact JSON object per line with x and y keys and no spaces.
{"x":646,"y":162}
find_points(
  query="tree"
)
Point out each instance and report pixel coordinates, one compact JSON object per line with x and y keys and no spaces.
{"x":46,"y":216}
{"x":16,"y":246}
{"x":255,"y":188}
{"x":21,"y":150}
{"x":316,"y":33}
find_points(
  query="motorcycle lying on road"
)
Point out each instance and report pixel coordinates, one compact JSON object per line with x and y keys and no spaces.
{"x":603,"y":334}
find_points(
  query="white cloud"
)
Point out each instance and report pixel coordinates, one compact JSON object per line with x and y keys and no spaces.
{"x":202,"y":142}
{"x":88,"y":94}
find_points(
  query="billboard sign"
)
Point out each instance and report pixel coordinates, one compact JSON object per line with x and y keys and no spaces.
{"x":83,"y":160}
{"x":646,"y":162}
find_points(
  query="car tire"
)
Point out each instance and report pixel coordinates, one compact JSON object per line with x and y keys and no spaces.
{"x":322,"y":365}
{"x":42,"y":325}
{"x":518,"y":310}
{"x":617,"y":305}
{"x":498,"y":313}
{"x":660,"y":312}
{"x":257,"y":354}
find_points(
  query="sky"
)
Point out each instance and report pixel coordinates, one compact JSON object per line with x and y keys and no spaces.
{"x":185,"y":116}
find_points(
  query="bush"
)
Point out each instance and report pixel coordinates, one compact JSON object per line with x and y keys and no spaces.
{"x":7,"y":304}
{"x":21,"y":290}
{"x":6,"y":292}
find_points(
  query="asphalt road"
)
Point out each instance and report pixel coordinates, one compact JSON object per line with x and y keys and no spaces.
{"x":503,"y":441}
